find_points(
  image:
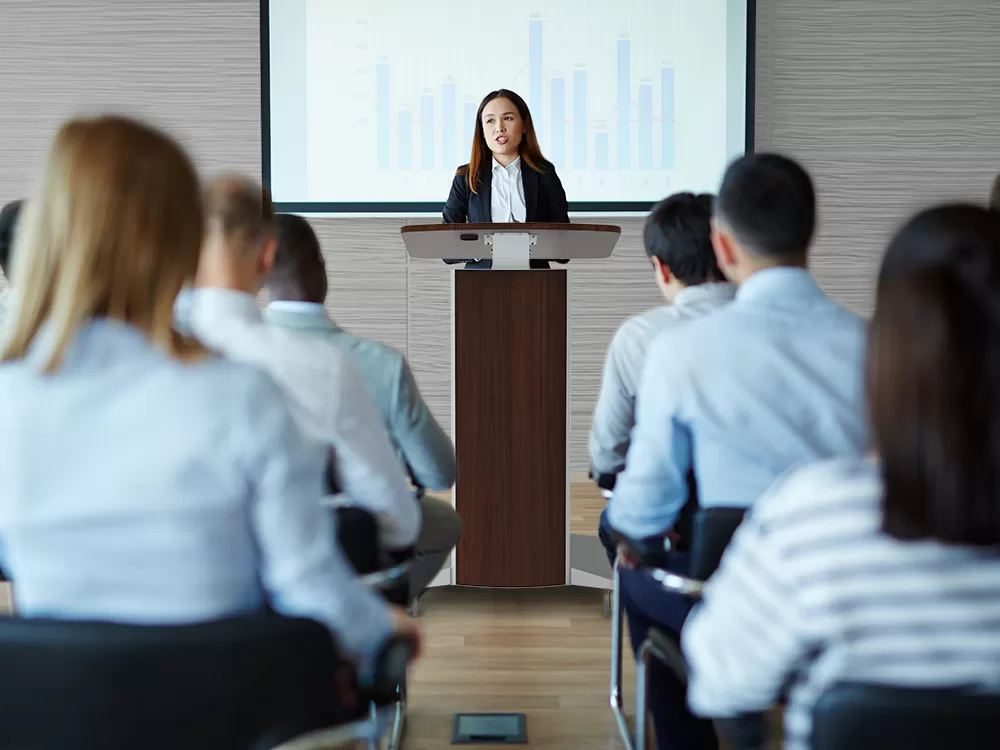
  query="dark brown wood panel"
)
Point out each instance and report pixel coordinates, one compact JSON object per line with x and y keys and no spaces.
{"x":510,"y":427}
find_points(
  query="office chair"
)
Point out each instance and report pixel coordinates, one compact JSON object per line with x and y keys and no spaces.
{"x":710,"y":532}
{"x":873,"y":717}
{"x":386,"y":571}
{"x":244,"y":683}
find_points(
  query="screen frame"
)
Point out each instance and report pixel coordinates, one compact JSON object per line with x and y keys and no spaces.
{"x":416,"y":209}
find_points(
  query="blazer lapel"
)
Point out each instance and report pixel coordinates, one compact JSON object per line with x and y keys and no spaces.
{"x":481,"y":203}
{"x":529,"y":178}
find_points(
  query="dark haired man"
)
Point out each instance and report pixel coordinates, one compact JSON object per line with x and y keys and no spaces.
{"x":678,"y":240}
{"x":8,"y":221}
{"x":772,"y":380}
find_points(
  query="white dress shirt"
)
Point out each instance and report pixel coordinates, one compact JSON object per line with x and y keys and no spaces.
{"x":327,"y":396}
{"x":507,"y":193}
{"x":137,"y":489}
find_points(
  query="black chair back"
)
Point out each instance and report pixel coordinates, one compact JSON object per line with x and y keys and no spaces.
{"x":870,"y":717}
{"x":712,"y":528}
{"x":357,"y":532}
{"x":247,"y":683}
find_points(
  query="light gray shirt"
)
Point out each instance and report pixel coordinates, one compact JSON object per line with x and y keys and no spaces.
{"x":421,"y":443}
{"x":135,"y":488}
{"x":327,"y":396}
{"x":811,"y":590}
{"x":614,"y":415}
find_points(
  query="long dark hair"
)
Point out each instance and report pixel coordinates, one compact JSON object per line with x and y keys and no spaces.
{"x":933,"y":378}
{"x":529,"y":150}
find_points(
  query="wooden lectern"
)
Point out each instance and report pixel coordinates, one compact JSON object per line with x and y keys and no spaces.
{"x":510,"y":415}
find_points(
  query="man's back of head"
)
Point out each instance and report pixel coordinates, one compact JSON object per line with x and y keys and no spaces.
{"x":765,"y":215}
{"x":995,"y":195}
{"x":677,"y":237}
{"x":9,"y":216}
{"x":299,"y":271}
{"x":239,"y":240}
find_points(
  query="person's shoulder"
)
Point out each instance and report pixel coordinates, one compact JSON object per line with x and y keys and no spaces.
{"x":690,"y":336}
{"x":811,"y":491}
{"x":369,"y":354}
{"x":546,"y":169}
{"x":642,"y":327}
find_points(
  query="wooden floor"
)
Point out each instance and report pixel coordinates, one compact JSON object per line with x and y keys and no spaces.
{"x":542,"y":652}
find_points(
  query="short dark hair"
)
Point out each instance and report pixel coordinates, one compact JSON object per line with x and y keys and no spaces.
{"x":768,"y":203}
{"x":9,"y":216}
{"x":299,"y":272}
{"x":933,"y":378}
{"x":995,"y":194}
{"x":678,"y":231}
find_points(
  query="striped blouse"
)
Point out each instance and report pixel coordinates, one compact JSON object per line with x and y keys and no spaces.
{"x":811,"y":593}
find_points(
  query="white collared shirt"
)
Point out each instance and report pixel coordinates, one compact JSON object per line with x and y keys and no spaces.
{"x":327,"y":396}
{"x":507,"y":201}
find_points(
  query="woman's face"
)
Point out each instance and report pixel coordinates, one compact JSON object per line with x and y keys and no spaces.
{"x":502,"y":127}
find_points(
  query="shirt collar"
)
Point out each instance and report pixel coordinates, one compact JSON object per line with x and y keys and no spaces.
{"x":702,"y":292}
{"x":779,"y":283}
{"x":512,"y":169}
{"x":295,"y":306}
{"x":215,"y":300}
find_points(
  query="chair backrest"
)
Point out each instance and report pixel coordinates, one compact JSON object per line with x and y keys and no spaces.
{"x":247,"y":683}
{"x":712,"y":528}
{"x":871,"y":717}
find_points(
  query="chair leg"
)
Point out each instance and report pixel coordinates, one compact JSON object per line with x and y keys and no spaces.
{"x":398,"y":719}
{"x":641,"y":696}
{"x":615,"y":697}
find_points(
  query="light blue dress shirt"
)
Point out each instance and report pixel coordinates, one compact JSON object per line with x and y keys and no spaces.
{"x":136,"y":488}
{"x":772,"y":380}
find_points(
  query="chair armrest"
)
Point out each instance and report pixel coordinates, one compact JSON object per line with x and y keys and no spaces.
{"x":676,"y":584}
{"x":665,"y":649}
{"x":650,"y":552}
{"x":385,"y":579}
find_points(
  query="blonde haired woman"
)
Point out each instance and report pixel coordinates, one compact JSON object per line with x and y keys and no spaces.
{"x":142,"y":479}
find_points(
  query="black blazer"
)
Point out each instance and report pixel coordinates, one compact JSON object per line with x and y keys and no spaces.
{"x":544,"y":201}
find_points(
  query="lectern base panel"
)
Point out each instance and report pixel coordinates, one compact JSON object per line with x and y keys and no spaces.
{"x":510,"y":427}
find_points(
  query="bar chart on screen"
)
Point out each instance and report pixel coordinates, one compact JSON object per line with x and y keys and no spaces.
{"x":632,"y":94}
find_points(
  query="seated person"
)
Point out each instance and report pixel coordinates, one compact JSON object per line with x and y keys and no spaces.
{"x":884,"y":568}
{"x":768,"y":381}
{"x":8,"y":219}
{"x":678,"y":240}
{"x":297,"y":286}
{"x":145,"y":480}
{"x":325,"y":391}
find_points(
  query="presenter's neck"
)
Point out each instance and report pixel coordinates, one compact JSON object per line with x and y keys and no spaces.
{"x":505,"y":160}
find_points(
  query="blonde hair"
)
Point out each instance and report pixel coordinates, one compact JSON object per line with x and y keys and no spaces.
{"x":114,"y":230}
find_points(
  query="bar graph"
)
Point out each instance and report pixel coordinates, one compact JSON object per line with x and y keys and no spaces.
{"x":561,"y":107}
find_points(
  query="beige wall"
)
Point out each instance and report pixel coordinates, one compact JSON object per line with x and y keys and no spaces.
{"x":890,"y":103}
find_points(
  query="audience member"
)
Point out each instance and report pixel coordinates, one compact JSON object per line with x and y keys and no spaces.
{"x":8,"y":220}
{"x":297,"y":287}
{"x":326,"y":393}
{"x":739,"y":396}
{"x":143,"y":479}
{"x":678,"y":240}
{"x":881,"y":569}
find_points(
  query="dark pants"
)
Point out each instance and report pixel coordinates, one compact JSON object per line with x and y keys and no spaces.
{"x":604,"y":534}
{"x":648,"y":605}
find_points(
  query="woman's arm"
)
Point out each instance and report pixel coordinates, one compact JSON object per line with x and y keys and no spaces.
{"x":747,"y":636}
{"x":558,"y":206}
{"x":456,"y":208}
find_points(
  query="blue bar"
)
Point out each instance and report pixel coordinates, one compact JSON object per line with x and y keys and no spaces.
{"x":559,"y":121}
{"x":382,"y":114}
{"x":579,"y":119}
{"x":624,"y":107}
{"x":406,"y":139}
{"x":645,"y":126}
{"x":470,"y":122}
{"x":535,"y":67}
{"x":448,"y":126}
{"x":667,"y":117}
{"x":426,"y":131}
{"x":601,"y":149}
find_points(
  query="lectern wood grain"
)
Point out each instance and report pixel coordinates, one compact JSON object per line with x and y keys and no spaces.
{"x":510,"y":427}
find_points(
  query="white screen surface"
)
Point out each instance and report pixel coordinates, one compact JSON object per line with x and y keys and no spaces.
{"x":372,"y":103}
